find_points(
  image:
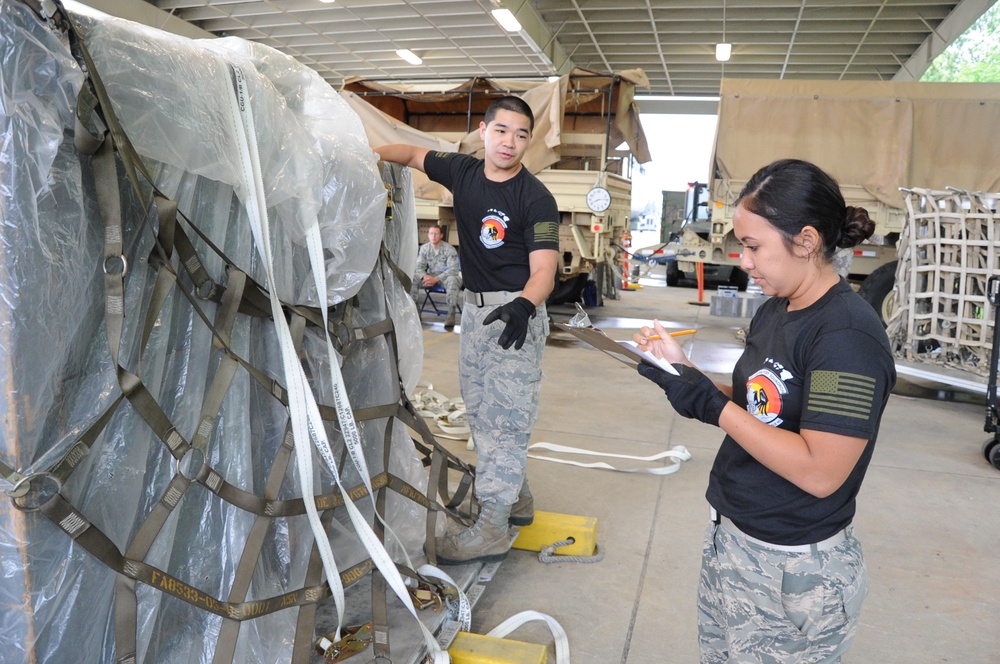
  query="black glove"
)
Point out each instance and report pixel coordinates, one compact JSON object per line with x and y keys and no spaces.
{"x":516,"y":314}
{"x":692,"y":393}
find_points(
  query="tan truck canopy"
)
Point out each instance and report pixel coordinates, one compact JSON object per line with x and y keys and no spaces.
{"x":877,"y":135}
{"x":446,"y":117}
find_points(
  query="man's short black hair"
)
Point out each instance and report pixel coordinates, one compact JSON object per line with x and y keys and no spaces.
{"x":510,"y":103}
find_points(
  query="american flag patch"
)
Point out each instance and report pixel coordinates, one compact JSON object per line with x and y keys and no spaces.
{"x":844,"y":394}
{"x":547,"y":231}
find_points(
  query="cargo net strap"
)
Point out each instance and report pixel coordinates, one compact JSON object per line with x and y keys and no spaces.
{"x":175,"y":267}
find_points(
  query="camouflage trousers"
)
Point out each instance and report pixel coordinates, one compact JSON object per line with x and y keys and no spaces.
{"x":500,"y":389}
{"x":452,"y":287}
{"x":762,"y":605}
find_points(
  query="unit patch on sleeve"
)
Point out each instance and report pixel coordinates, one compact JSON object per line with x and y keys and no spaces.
{"x":843,"y":394}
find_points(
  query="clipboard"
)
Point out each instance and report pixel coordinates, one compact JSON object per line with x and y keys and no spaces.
{"x":623,"y":351}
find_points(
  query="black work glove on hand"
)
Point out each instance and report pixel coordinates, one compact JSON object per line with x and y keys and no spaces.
{"x":516,"y":314}
{"x":692,"y":393}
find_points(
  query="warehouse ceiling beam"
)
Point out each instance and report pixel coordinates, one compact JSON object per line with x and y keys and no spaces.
{"x":536,"y":32}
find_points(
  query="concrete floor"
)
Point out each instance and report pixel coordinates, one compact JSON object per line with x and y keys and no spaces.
{"x":927,"y":513}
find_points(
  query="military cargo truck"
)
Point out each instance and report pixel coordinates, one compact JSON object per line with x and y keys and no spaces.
{"x":873,"y":137}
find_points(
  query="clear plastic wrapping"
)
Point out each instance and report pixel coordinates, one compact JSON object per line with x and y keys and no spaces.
{"x":169,"y":93}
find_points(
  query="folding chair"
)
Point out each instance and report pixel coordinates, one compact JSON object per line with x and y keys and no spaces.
{"x":429,"y":301}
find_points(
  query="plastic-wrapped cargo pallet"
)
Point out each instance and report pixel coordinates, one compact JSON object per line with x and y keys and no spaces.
{"x":165,"y":374}
{"x":949,"y":249}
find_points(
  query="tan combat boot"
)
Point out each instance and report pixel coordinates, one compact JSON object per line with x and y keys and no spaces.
{"x":449,"y":322}
{"x":488,"y":540}
{"x":523,"y":511}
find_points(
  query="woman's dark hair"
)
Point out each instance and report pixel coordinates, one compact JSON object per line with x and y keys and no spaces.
{"x":792,"y":194}
{"x":510,"y":103}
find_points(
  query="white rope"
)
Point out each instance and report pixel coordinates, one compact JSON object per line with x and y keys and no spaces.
{"x":307,"y":424}
{"x":547,"y":554}
{"x":678,"y":454}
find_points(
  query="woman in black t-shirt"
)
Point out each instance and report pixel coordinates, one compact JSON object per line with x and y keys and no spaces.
{"x":783,"y":576}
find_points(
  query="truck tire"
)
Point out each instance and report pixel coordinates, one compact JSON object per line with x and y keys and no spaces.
{"x":674,"y":275}
{"x":739,"y":278}
{"x":877,"y":290}
{"x":601,"y":280}
{"x":568,"y":291}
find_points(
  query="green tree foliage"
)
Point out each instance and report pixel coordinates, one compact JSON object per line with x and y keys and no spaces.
{"x":974,"y":57}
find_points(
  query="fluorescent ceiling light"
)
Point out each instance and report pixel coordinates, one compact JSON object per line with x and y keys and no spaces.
{"x":409,"y":56}
{"x":506,"y":20}
{"x":723,"y":51}
{"x":327,"y":2}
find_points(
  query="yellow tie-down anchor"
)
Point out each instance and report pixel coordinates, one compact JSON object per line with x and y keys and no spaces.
{"x":550,"y":527}
{"x":468,"y":648}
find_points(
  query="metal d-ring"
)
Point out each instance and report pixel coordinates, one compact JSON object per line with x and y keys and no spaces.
{"x":342,"y":333}
{"x":190,"y":464}
{"x":207,"y":290}
{"x":21,"y":487}
{"x":17,"y":493}
{"x":124,"y":265}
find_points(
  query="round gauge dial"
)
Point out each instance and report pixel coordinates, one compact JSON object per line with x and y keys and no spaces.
{"x":598,"y":199}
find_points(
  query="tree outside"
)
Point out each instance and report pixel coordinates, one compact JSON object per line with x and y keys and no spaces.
{"x":972,"y":58}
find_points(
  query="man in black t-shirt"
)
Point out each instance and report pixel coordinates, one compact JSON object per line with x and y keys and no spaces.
{"x":508,"y":228}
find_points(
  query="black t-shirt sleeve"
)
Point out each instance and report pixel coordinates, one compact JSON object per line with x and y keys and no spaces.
{"x":542,"y":231}
{"x":846,"y":385}
{"x":438,"y":166}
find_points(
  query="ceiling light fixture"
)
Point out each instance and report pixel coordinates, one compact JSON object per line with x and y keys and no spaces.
{"x":327,"y":2}
{"x":506,"y":20}
{"x":409,"y":56}
{"x":723,"y":50}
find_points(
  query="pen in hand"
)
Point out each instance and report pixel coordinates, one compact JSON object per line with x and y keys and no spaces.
{"x":679,"y":333}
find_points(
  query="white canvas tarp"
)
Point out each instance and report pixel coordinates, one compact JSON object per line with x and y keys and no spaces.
{"x":877,"y":135}
{"x":550,"y":101}
{"x":545,"y":102}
